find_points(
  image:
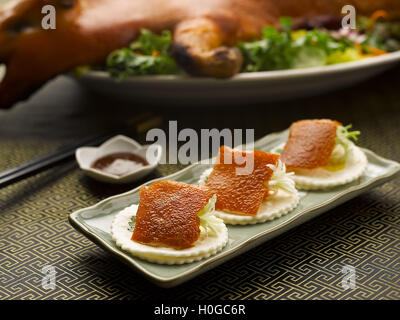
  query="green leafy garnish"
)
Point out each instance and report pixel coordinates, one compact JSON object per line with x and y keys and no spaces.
{"x":272,"y":52}
{"x":289,"y":49}
{"x":347,"y":55}
{"x":148,"y":42}
{"x":384,"y":35}
{"x":343,"y":136}
{"x":380,"y":33}
{"x":209,"y":223}
{"x":132,"y":223}
{"x":148,"y":55}
{"x":344,"y":133}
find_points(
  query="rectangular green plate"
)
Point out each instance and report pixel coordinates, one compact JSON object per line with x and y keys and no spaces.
{"x":95,"y":221}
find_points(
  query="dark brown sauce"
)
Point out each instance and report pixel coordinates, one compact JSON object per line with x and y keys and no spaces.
{"x":120,"y":163}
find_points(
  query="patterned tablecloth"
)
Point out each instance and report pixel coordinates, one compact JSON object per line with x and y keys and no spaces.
{"x":305,"y":263}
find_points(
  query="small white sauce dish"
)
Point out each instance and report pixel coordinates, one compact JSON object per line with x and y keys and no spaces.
{"x":86,"y":156}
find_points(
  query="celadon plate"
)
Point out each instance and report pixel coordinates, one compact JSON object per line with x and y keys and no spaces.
{"x":95,"y":221}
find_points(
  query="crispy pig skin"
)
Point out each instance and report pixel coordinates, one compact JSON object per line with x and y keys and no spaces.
{"x":310,"y":144}
{"x":240,"y":194}
{"x":167,"y":214}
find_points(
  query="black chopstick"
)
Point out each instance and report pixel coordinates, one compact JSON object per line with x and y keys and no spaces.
{"x":47,"y":161}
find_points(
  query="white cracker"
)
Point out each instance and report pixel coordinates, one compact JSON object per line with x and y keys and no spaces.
{"x":203,"y":248}
{"x":321,"y":179}
{"x":273,"y":207}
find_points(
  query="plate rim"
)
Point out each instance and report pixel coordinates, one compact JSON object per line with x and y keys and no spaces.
{"x":370,"y":62}
{"x":169,"y":281}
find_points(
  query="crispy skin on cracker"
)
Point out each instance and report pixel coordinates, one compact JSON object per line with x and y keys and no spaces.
{"x":167,"y":214}
{"x":240,"y":194}
{"x":310,"y":144}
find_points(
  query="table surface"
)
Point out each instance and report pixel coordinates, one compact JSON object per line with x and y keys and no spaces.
{"x":304,"y":263}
